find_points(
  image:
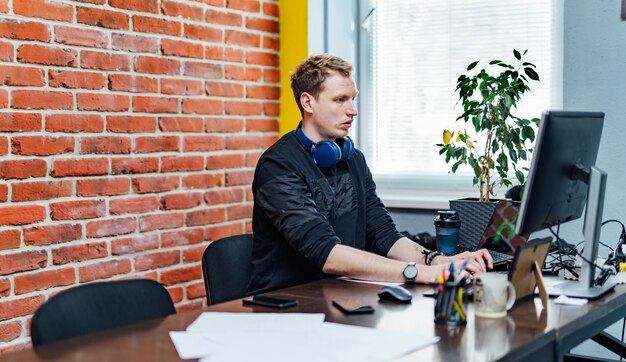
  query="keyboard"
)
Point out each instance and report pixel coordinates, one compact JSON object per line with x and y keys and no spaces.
{"x":499,"y":258}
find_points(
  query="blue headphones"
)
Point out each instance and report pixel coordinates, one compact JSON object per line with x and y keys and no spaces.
{"x":327,"y":153}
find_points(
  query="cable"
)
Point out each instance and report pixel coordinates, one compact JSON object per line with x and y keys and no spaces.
{"x":559,"y":241}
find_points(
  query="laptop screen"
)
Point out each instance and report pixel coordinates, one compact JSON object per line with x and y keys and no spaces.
{"x":499,"y":235}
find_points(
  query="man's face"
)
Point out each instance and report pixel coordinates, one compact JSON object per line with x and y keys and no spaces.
{"x":330,"y":115}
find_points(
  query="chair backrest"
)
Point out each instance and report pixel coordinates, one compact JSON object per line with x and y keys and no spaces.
{"x":227,"y":266}
{"x":99,"y":306}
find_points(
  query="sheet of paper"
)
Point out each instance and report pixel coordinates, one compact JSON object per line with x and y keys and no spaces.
{"x":565,"y":300}
{"x":217,"y":322}
{"x":193,"y":345}
{"x":346,"y":279}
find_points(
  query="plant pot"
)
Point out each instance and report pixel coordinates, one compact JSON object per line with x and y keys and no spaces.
{"x":475,"y":216}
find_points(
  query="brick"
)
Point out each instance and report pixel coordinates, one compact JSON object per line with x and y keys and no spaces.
{"x":242,"y":38}
{"x":80,"y":167}
{"x":80,"y":252}
{"x":133,"y":83}
{"x":20,"y":215}
{"x":24,"y":30}
{"x":41,"y":190}
{"x":221,"y":17}
{"x":75,"y":210}
{"x":147,"y":24}
{"x":262,"y":125}
{"x":182,"y":86}
{"x":205,"y":33}
{"x":223,"y":89}
{"x":98,"y":2}
{"x":110,"y":227}
{"x":216,"y":232}
{"x":271,"y":76}
{"x":146,"y":6}
{"x":73,"y":79}
{"x":5,"y":287}
{"x":44,"y":280}
{"x":133,"y":205}
{"x":155,"y":104}
{"x":203,"y":143}
{"x":4,"y":98}
{"x":74,"y":123}
{"x":20,"y":122}
{"x":176,"y":9}
{"x":157,"y":260}
{"x":182,"y":237}
{"x":182,"y":163}
{"x":22,"y":261}
{"x":181,"y":201}
{"x":4,"y":6}
{"x":237,"y":212}
{"x":10,"y":331}
{"x":224,"y":196}
{"x":203,"y":70}
{"x":269,"y":140}
{"x":6,"y":51}
{"x":20,"y":307}
{"x":4,"y":192}
{"x":267,"y":25}
{"x":9,"y":239}
{"x":234,"y":178}
{"x":102,"y":18}
{"x":270,"y":9}
{"x":219,"y":3}
{"x":103,"y":270}
{"x":45,"y":55}
{"x":223,"y":53}
{"x":51,"y":10}
{"x":134,"y":165}
{"x":52,"y":234}
{"x":262,"y":58}
{"x":104,"y":61}
{"x":80,"y":36}
{"x":183,"y":307}
{"x":205,"y":217}
{"x":192,"y":255}
{"x":262,"y":91}
{"x":242,"y":108}
{"x":102,"y":187}
{"x":134,"y":43}
{"x":252,"y":158}
{"x":102,"y":102}
{"x":271,"y":109}
{"x":105,"y":145}
{"x":33,"y":99}
{"x":244,"y":142}
{"x":203,"y":181}
{"x":154,"y":65}
{"x":180,"y":124}
{"x":181,"y":48}
{"x":130,"y":124}
{"x":271,"y":43}
{"x":217,"y":162}
{"x":196,"y":290}
{"x":143,"y":185}
{"x":4,"y":146}
{"x":237,"y":72}
{"x":161,"y":221}
{"x":21,"y":169}
{"x":224,"y":125}
{"x":202,"y":106}
{"x":181,"y":275}
{"x":41,"y":146}
{"x":134,"y":244}
{"x":21,"y":76}
{"x":251,"y":6}
{"x":156,"y":144}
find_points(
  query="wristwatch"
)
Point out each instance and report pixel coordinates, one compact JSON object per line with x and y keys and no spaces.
{"x":410,"y":272}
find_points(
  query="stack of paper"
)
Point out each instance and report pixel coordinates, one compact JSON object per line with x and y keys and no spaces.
{"x":288,"y":337}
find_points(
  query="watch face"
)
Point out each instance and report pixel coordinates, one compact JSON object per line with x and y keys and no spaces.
{"x":410,"y":272}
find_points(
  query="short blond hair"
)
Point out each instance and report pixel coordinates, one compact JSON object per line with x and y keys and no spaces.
{"x":311,"y":73}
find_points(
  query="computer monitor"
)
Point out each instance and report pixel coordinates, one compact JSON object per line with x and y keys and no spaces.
{"x":562,"y":181}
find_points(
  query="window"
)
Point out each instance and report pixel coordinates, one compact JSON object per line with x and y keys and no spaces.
{"x":410,"y":54}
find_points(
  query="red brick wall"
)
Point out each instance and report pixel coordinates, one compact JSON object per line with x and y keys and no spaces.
{"x":129,"y":132}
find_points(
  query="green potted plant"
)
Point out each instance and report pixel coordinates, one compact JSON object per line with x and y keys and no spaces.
{"x":496,"y":140}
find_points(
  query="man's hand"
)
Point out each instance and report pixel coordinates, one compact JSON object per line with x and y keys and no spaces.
{"x":479,"y":261}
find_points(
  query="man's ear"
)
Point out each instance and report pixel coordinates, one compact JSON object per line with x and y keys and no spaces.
{"x":307,"y":101}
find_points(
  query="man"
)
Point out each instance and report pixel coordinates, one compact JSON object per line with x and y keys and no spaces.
{"x":316,"y":212}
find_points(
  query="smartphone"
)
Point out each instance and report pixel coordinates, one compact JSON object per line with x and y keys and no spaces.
{"x":270,"y":302}
{"x":349,"y":309}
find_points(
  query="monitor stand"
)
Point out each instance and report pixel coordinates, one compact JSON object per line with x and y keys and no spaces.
{"x":584,"y":287}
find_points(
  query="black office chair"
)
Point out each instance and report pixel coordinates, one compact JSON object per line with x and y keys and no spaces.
{"x":99,"y":306}
{"x":226,"y":266}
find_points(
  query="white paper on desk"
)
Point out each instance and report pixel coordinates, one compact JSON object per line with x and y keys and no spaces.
{"x":565,"y":300}
{"x":327,"y":342}
{"x":220,"y":323}
{"x":346,"y":279}
{"x":193,"y":345}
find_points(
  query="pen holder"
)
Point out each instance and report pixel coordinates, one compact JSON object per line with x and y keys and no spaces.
{"x":449,"y":305}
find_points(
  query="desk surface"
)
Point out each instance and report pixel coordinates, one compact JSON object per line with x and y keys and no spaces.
{"x":527,"y":332}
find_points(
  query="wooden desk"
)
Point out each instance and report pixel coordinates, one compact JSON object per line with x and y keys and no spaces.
{"x":526,"y":333}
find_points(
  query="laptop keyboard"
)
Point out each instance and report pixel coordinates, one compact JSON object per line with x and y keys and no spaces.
{"x":500,"y":257}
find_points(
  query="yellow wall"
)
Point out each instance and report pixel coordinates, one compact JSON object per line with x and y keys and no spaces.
{"x":293,"y":49}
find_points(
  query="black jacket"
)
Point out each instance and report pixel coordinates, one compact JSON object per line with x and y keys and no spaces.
{"x":301,"y":212}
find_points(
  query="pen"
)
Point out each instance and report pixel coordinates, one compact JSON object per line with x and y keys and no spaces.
{"x":463,"y":266}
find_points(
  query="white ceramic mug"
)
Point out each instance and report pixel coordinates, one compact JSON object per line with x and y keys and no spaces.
{"x":493,"y":295}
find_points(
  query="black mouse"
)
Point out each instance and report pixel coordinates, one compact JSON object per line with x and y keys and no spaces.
{"x":395,"y":294}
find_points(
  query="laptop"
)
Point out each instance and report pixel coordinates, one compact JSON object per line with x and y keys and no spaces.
{"x":499,"y":237}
